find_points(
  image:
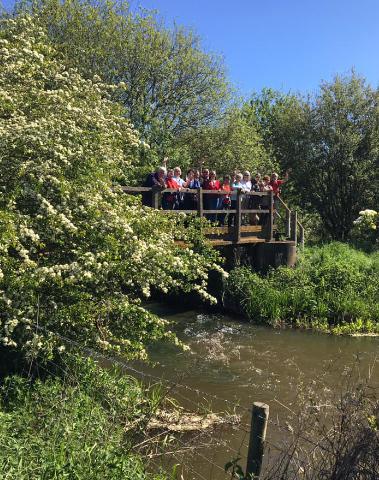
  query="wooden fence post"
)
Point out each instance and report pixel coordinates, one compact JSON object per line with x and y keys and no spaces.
{"x":238,"y":217}
{"x":259,"y":419}
{"x":270,"y":229}
{"x":155,"y":192}
{"x":200,"y":203}
{"x":294,"y":226}
{"x":288,"y":223}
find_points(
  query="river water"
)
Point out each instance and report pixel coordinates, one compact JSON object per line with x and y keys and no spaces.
{"x":232,"y":364}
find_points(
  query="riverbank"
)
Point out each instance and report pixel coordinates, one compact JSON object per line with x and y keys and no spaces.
{"x":334,"y":288}
{"x":75,"y":421}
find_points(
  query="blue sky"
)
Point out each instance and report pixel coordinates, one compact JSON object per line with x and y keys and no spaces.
{"x":284,"y":44}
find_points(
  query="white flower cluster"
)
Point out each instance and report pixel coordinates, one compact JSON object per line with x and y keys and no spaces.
{"x":85,"y":251}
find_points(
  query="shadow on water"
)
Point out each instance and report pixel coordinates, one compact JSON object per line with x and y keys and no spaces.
{"x":235,"y":363}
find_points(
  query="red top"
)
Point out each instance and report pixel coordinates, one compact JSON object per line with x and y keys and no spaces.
{"x":213,"y":185}
{"x":276,"y":186}
{"x":171,"y":183}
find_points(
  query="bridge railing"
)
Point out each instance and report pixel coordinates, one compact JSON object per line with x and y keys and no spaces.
{"x":153,"y":196}
{"x":294,"y":229}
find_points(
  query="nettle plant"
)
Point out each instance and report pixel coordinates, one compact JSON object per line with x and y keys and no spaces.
{"x":76,"y":254}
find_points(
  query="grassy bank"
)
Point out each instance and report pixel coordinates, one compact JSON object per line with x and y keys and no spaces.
{"x":333,"y":288}
{"x":82,"y":424}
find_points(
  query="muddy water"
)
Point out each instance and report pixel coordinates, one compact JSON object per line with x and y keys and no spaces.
{"x":233,"y":363}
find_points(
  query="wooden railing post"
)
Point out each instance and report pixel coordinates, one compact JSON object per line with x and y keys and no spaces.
{"x":301,"y":230}
{"x":288,"y":223}
{"x":294,"y":226}
{"x":270,"y":229}
{"x":156,"y":193}
{"x":259,"y":419}
{"x":200,"y":202}
{"x":238,"y":217}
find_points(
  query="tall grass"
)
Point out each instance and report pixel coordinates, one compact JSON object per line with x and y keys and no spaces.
{"x":333,"y":287}
{"x":72,"y":426}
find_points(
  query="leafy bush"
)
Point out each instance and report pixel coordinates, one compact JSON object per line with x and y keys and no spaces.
{"x":333,"y":287}
{"x":365,"y":231}
{"x":76,"y":254}
{"x":73,"y":425}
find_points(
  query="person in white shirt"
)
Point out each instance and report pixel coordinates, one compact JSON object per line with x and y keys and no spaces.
{"x":246,"y":182}
{"x":246,"y":201}
{"x":178,"y":176}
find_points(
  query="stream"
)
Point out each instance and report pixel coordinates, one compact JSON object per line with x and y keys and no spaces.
{"x":232,"y":364}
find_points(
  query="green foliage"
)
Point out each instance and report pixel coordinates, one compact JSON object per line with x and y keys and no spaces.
{"x":332,"y":288}
{"x":77,"y":254}
{"x":330,"y":142}
{"x":167,"y":83}
{"x":233,"y":144}
{"x":73,"y":426}
{"x":365,"y":233}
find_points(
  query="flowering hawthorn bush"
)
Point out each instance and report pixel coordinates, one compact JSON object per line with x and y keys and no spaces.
{"x":366,"y":229}
{"x":76,"y":253}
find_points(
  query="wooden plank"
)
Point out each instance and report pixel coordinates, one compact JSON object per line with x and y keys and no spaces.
{"x":226,"y":229}
{"x":252,"y":240}
{"x":136,"y":189}
{"x":181,"y":190}
{"x":218,"y":211}
{"x":216,"y":192}
{"x":270,"y":230}
{"x":189,"y":212}
{"x":218,"y":242}
{"x":216,"y":230}
{"x":257,"y":194}
{"x":254,"y":211}
{"x":251,"y":228}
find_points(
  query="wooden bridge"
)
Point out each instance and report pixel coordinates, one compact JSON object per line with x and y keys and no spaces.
{"x":250,"y":226}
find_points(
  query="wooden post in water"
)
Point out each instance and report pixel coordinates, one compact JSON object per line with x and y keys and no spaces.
{"x":155,"y":192}
{"x":259,"y":419}
{"x":294,"y":226}
{"x":238,"y":217}
{"x":200,"y":203}
{"x":270,"y":228}
{"x":288,"y":223}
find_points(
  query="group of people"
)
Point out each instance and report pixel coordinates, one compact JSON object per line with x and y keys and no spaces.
{"x":171,"y":178}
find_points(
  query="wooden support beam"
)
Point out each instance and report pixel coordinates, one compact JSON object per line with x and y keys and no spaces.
{"x":288,"y":223}
{"x":238,"y":217}
{"x":301,"y":231}
{"x":156,"y":194}
{"x":200,"y":202}
{"x":294,"y":226}
{"x":270,"y":227}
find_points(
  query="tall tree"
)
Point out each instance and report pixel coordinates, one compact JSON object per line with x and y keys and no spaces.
{"x":76,"y":255}
{"x":168,"y":84}
{"x":331,"y":143}
{"x":234,"y":143}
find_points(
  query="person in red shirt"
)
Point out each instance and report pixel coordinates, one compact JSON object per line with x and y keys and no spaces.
{"x":276,"y":183}
{"x":225,"y":199}
{"x":170,"y":200}
{"x":213,"y":200}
